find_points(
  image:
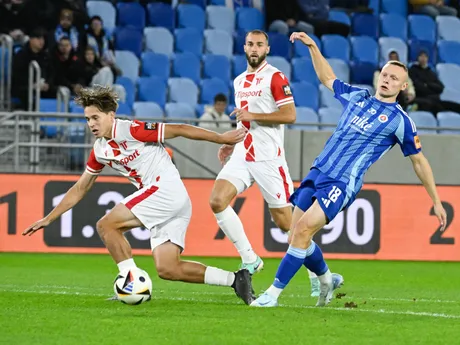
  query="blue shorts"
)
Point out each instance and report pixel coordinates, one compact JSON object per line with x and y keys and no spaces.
{"x":330,"y":193}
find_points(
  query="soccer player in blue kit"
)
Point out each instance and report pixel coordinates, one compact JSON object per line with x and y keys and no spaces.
{"x":368,"y":128}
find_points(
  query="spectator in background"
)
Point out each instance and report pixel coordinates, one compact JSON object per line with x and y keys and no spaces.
{"x":351,"y":5}
{"x":216,"y":112}
{"x":405,"y":98}
{"x":285,"y":19}
{"x":432,"y":8}
{"x":64,"y":62}
{"x":66,"y":28}
{"x":14,"y":20}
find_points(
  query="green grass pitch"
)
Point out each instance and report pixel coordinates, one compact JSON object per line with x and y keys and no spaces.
{"x":60,"y":299}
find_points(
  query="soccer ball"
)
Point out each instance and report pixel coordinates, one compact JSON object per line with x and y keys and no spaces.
{"x":133,"y":286}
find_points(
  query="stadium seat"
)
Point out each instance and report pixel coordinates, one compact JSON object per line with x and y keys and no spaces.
{"x":187,"y":65}
{"x":449,"y":52}
{"x":239,"y":65}
{"x":301,"y":49}
{"x":127,"y":38}
{"x":210,"y":88}
{"x":336,"y":47}
{"x":305,"y":95}
{"x":239,"y":42}
{"x":365,"y":50}
{"x":75,"y":108}
{"x":180,"y":110}
{"x":159,"y":40}
{"x":327,"y":99}
{"x":388,"y":44}
{"x":106,"y":11}
{"x":191,"y":16}
{"x":450,"y":95}
{"x":124,"y":109}
{"x":306,"y":115}
{"x":339,"y":17}
{"x":131,"y":14}
{"x":218,"y":2}
{"x":448,"y":28}
{"x":199,"y":109}
{"x":128,"y":63}
{"x":218,"y":42}
{"x":161,"y":15}
{"x":393,"y":25}
{"x":189,"y":40}
{"x":449,"y":74}
{"x":329,"y":116}
{"x":130,"y":89}
{"x":365,"y":24}
{"x":217,"y":66}
{"x":362,"y":72}
{"x":340,"y":68}
{"x":424,"y":119}
{"x":415,"y":47}
{"x":449,"y":119}
{"x":279,"y":45}
{"x":281,"y":63}
{"x":374,"y":5}
{"x":155,"y":65}
{"x":149,"y":84}
{"x":249,"y":18}
{"x":303,"y":70}
{"x":183,"y":90}
{"x":394,"y":6}
{"x":201,"y":3}
{"x":48,"y":105}
{"x":221,"y":18}
{"x":422,"y":28}
{"x":147,"y":110}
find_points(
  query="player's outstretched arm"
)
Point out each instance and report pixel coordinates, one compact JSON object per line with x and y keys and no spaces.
{"x":322,"y":68}
{"x":423,"y":170}
{"x":71,"y":198}
{"x":197,"y":133}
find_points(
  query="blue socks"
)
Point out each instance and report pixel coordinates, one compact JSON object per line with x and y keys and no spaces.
{"x":315,"y":261}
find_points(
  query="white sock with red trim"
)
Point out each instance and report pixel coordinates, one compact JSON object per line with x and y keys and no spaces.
{"x":231,"y":225}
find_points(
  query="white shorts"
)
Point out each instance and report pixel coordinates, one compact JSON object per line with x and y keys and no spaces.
{"x":164,"y":208}
{"x":272,"y":177}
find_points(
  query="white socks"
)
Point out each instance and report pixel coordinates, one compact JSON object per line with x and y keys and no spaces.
{"x":311,"y":274}
{"x":126,"y":264}
{"x":326,"y":278}
{"x":216,"y":276}
{"x":231,"y":225}
{"x":274,"y":291}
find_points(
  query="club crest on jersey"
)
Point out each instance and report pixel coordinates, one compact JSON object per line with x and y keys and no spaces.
{"x":287,"y":90}
{"x":383,"y":118}
{"x":150,"y":126}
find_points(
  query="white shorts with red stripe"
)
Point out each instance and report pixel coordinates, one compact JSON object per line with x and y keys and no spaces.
{"x":164,"y":208}
{"x":272,"y":177}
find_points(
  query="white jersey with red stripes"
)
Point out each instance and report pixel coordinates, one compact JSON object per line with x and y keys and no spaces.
{"x":135,"y":151}
{"x":263,"y":91}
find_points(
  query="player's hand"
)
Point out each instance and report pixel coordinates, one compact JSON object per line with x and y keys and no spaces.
{"x":224,"y":152}
{"x":36,"y":226}
{"x":303,"y":37}
{"x":242,"y":115}
{"x":233,"y":137}
{"x":440,"y":212}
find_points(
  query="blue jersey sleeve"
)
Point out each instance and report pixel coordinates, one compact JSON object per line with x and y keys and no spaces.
{"x":407,"y":138}
{"x":344,"y":91}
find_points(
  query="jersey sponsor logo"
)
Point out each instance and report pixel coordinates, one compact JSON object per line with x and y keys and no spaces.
{"x":150,"y":126}
{"x":127,"y":159}
{"x":418,"y":144}
{"x":383,"y":118}
{"x":246,"y":94}
{"x":287,"y":90}
{"x":361,"y":124}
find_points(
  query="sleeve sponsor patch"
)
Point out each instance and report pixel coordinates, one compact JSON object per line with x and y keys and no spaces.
{"x":287,"y":90}
{"x":150,"y":126}
{"x":418,"y":144}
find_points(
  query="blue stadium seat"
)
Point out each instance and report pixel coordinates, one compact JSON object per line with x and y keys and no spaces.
{"x":415,"y":47}
{"x":218,"y":2}
{"x":189,"y":40}
{"x":281,"y":63}
{"x":75,"y":108}
{"x":218,"y":42}
{"x":449,"y":119}
{"x":159,"y":40}
{"x":393,"y":25}
{"x":424,"y":119}
{"x":336,"y":47}
{"x":187,"y":65}
{"x":199,"y":109}
{"x":161,"y":15}
{"x":279,"y":45}
{"x":449,"y":74}
{"x":217,"y":66}
{"x":388,"y":44}
{"x":124,"y":109}
{"x":422,"y":28}
{"x":220,"y":17}
{"x":147,"y":110}
{"x":340,"y":68}
{"x":48,"y":105}
{"x":191,"y":16}
{"x":155,"y":65}
{"x":201,"y":3}
{"x":365,"y":24}
{"x":301,"y":49}
{"x":239,"y":39}
{"x":339,"y":17}
{"x":127,"y":38}
{"x":152,"y":89}
{"x":394,"y":6}
{"x":249,"y":18}
{"x":180,"y":110}
{"x":305,"y":95}
{"x":374,"y":5}
{"x":448,"y":28}
{"x":303,"y":70}
{"x":128,"y":63}
{"x":329,"y":116}
{"x":239,"y":65}
{"x":306,"y":115}
{"x":131,"y":14}
{"x":106,"y":11}
{"x":362,"y":72}
{"x":183,"y":90}
{"x":449,"y":52}
{"x":210,"y":88}
{"x":450,"y":95}
{"x":365,"y":50}
{"x":327,"y":99}
{"x":130,"y":89}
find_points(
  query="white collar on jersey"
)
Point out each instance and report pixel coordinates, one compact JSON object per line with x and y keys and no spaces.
{"x":265,"y":63}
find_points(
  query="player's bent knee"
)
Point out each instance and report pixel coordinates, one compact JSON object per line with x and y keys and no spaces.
{"x":217,"y":203}
{"x":168,"y":272}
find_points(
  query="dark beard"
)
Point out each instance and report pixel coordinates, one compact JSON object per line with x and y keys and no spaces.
{"x":257,"y":62}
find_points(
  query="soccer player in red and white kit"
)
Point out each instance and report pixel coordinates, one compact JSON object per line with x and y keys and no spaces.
{"x":161,"y":204}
